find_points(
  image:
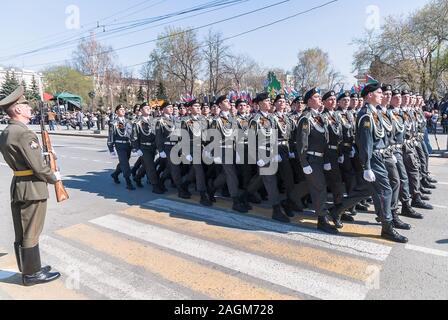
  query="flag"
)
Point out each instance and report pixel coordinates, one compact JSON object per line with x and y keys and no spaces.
{"x":370,"y":79}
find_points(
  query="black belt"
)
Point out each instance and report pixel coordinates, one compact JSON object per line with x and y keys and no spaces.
{"x":316,"y":154}
{"x":170,"y":143}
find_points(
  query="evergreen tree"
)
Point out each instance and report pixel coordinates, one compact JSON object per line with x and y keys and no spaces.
{"x":11,"y":83}
{"x":140,"y":95}
{"x":34,"y":90}
{"x":161,"y":92}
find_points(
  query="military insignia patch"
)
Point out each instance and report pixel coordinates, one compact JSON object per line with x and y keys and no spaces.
{"x":34,"y":145}
{"x":367,"y":124}
{"x":305,"y":126}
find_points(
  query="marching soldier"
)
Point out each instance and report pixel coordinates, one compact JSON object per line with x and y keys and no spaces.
{"x":370,"y":135}
{"x":120,"y":132}
{"x":166,"y":138}
{"x":263,"y":125}
{"x":22,"y":152}
{"x":335,"y":151}
{"x":144,"y":142}
{"x":226,"y":125}
{"x":196,"y":125}
{"x":312,"y":145}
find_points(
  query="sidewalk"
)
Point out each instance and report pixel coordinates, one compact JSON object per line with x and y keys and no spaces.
{"x":62,"y":131}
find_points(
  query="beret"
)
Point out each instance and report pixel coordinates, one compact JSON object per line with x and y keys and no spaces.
{"x":239,"y":101}
{"x":118,"y":107}
{"x":262,"y":96}
{"x":371,"y":87}
{"x":345,"y":94}
{"x":386,"y":87}
{"x":405,"y":92}
{"x":220,"y":99}
{"x":354,"y":95}
{"x":298,"y":99}
{"x":278,"y":97}
{"x":309,"y":94}
{"x":396,"y":92}
{"x":166,"y":104}
{"x":329,"y":94}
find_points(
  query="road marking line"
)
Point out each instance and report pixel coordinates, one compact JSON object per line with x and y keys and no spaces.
{"x":190,"y":274}
{"x":293,"y":277}
{"x":261,"y":244}
{"x":427,"y":250}
{"x":349,"y":245}
{"x":440,"y":207}
{"x":352,"y":230}
{"x":74,"y":179}
{"x":109,"y":280}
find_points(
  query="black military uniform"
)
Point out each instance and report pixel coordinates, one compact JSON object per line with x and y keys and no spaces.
{"x":370,"y":140}
{"x":312,"y":147}
{"x":144,"y":139}
{"x":226,"y":125}
{"x":120,"y":132}
{"x":167,"y":137}
{"x":196,"y":127}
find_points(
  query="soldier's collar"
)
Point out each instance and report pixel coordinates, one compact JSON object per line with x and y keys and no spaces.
{"x":20,"y":123}
{"x":264,"y":114}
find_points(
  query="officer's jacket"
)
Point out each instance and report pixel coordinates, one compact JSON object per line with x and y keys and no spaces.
{"x":420,"y":123}
{"x":409,"y":121}
{"x":144,"y":133}
{"x":243,"y":126}
{"x":396,"y":115}
{"x":389,"y":128}
{"x":370,"y":134}
{"x":167,"y":133}
{"x":334,"y":124}
{"x":294,"y":118}
{"x":120,"y":133}
{"x":263,"y":126}
{"x":196,"y":128}
{"x":21,"y":150}
{"x":312,"y":136}
{"x":348,"y":122}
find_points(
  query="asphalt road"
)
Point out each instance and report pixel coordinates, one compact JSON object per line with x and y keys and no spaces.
{"x":111,"y":243}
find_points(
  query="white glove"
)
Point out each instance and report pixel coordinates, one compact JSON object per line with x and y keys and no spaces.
{"x":308,"y":170}
{"x":261,"y":163}
{"x":139,"y":153}
{"x":189,"y":158}
{"x":327,"y":167}
{"x":341,"y":159}
{"x":162,"y":155}
{"x":217,"y":160}
{"x":292,"y":155}
{"x":277,"y":158}
{"x":54,"y":154}
{"x":113,"y":154}
{"x":57,"y":174}
{"x":369,"y":176}
{"x":352,"y":153}
{"x":207,"y":154}
{"x":394,"y":159}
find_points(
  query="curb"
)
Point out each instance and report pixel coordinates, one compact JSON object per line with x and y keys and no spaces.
{"x":96,"y":136}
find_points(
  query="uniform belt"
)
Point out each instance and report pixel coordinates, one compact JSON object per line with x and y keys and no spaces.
{"x":398,"y":145}
{"x":146,"y":143}
{"x":170,"y":143}
{"x":348,"y":145}
{"x":283,"y":143}
{"x":24,"y":173}
{"x":333,"y":147}
{"x":264,"y":148}
{"x":317,"y":154}
{"x":121,"y":141}
{"x":382,"y":151}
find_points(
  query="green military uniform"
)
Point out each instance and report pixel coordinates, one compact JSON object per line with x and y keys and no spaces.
{"x":29,"y":193}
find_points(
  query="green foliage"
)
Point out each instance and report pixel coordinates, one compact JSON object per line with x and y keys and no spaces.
{"x":10,"y":84}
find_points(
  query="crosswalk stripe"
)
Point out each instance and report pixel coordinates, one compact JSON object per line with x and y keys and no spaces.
{"x":105,"y":278}
{"x":261,"y":244}
{"x":295,"y":278}
{"x":349,"y":229}
{"x":353,"y":246}
{"x":190,"y":274}
{"x":12,"y":288}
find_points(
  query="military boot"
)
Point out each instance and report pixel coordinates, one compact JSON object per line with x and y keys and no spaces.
{"x":157,"y":189}
{"x":129,"y":184}
{"x":408,"y":211}
{"x":138,"y":182}
{"x":238,"y":205}
{"x":417,"y":202}
{"x":388,"y":232}
{"x":362,"y":207}
{"x":347,"y":218}
{"x":211,"y":191}
{"x":352,"y":211}
{"x":287,"y":208}
{"x":115,"y":177}
{"x":244,"y":198}
{"x":205,"y":201}
{"x":254,"y":198}
{"x":324,"y":225}
{"x":336,"y":214}
{"x":425,"y":191}
{"x":279,"y":215}
{"x":427,"y":185}
{"x":397,"y":223}
{"x":424,"y":197}
{"x":32,"y":272}
{"x":431,"y":180}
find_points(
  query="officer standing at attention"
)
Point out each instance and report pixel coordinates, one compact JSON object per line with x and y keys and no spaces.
{"x":120,"y":132}
{"x":312,"y":145}
{"x":29,"y":193}
{"x":370,"y":136}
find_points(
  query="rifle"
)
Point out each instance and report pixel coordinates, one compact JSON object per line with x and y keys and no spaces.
{"x":61,"y":193}
{"x":437,"y":141}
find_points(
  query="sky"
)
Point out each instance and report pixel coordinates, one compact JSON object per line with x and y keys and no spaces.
{"x":333,"y":27}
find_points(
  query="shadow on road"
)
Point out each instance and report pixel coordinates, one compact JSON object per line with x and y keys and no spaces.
{"x":444,"y":241}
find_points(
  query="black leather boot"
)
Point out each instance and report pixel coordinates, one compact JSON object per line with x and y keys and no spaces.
{"x":254,"y":198}
{"x":238,"y":205}
{"x":32,"y":273}
{"x":352,"y":211}
{"x":361,"y":207}
{"x":157,"y":189}
{"x":347,"y":218}
{"x":17,"y":252}
{"x":425,"y":191}
{"x":431,"y":180}
{"x":211,"y":191}
{"x":425,"y":197}
{"x":205,"y":201}
{"x":115,"y":177}
{"x":336,"y":214}
{"x":287,"y":208}
{"x":138,"y":182}
{"x":417,"y":202}
{"x":129,"y":185}
{"x":428,"y":185}
{"x":183,"y":191}
{"x":408,"y":211}
{"x":388,"y":232}
{"x":244,"y":198}
{"x":397,"y":223}
{"x":324,"y":225}
{"x":279,"y":215}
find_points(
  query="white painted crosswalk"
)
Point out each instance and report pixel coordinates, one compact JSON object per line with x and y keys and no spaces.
{"x":176,"y":250}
